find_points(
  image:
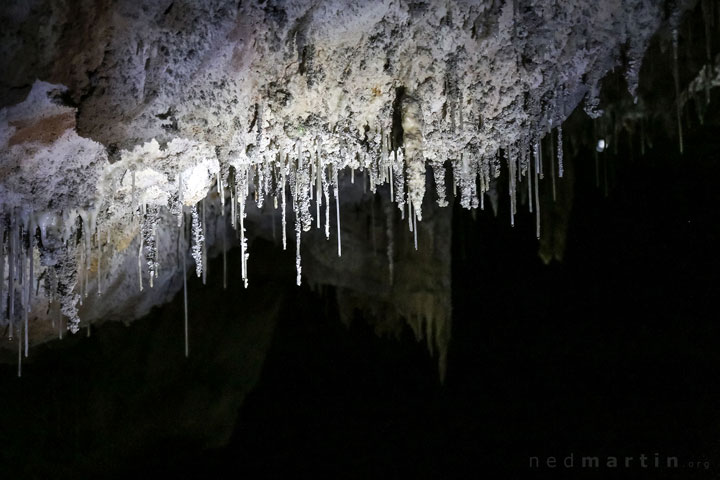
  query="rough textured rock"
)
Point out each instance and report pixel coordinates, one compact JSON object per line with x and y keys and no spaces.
{"x":120,"y":117}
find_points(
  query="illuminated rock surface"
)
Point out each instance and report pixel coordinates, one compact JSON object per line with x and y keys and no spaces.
{"x":136,"y":136}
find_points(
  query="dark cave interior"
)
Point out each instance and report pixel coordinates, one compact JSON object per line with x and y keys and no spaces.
{"x":612,"y":351}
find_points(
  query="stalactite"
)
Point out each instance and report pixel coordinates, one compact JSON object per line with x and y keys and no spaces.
{"x":140,"y":256}
{"x":410,"y":216}
{"x":26,"y":304}
{"x":440,"y":187}
{"x":204,"y":244}
{"x":11,"y":270}
{"x":539,"y":160}
{"x":318,"y":188}
{"x":284,"y":214}
{"x":399,"y":179}
{"x":676,"y":78}
{"x":326,"y":195}
{"x":198,"y":242}
{"x":528,"y":178}
{"x":133,"y":205}
{"x":148,"y":231}
{"x":337,"y":214}
{"x":537,"y":198}
{"x":99,"y":264}
{"x":241,"y":182}
{"x":552,"y":167}
{"x":415,"y":234}
{"x":182,"y":254}
{"x":2,"y":270}
{"x":19,"y":371}
{"x":511,"y":183}
{"x":298,"y":258}
{"x":561,"y":169}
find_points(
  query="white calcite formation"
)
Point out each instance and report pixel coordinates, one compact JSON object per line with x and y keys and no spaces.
{"x":165,"y":120}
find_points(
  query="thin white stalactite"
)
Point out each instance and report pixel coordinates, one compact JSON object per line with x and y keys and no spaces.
{"x":27,"y":340}
{"x":2,"y":273}
{"x":153,"y":253}
{"x":530,"y":193}
{"x":221,"y":193}
{"x":298,"y":258}
{"x":85,"y":269}
{"x":540,"y":159}
{"x":410,"y":215}
{"x":482,"y":188}
{"x":415,"y":235}
{"x":232,"y":207}
{"x":537,"y":204}
{"x":241,"y":194}
{"x":26,"y":300}
{"x":26,"y":306}
{"x":19,"y":355}
{"x":295,"y":189}
{"x":99,"y":260}
{"x":284,"y":208}
{"x":516,"y":180}
{"x":198,"y":239}
{"x":243,"y":243}
{"x":326,"y":195}
{"x":11,"y":269}
{"x":22,"y":281}
{"x":204,"y":245}
{"x":318,"y":188}
{"x":561,"y":169}
{"x":676,"y":78}
{"x":311,"y":180}
{"x":337,"y":210}
{"x":182,"y":255}
{"x":390,"y":175}
{"x":511,"y":186}
{"x":31,"y":254}
{"x":180,"y":200}
{"x":140,"y":250}
{"x":400,"y":179}
{"x":552,"y":167}
{"x":132,"y":196}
